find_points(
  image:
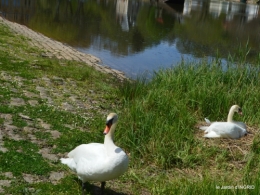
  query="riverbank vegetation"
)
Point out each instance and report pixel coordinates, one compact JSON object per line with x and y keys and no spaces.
{"x":167,"y":111}
{"x":49,"y":106}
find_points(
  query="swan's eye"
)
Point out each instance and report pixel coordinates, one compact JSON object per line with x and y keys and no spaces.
{"x":109,"y":122}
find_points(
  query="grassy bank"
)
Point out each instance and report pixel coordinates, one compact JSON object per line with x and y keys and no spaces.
{"x":165,"y":113}
{"x":49,"y":106}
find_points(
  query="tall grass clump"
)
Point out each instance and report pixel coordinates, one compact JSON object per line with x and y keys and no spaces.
{"x":161,"y":114}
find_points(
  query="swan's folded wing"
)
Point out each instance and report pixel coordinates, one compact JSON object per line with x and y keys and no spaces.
{"x":241,"y":124}
{"x":203,"y":128}
{"x":70,"y":163}
{"x":91,"y":169}
{"x":212,"y":134}
{"x":88,"y":151}
{"x":226,"y":129}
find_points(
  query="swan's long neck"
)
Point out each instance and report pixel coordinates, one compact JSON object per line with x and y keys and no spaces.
{"x":230,"y":115}
{"x":109,"y":139}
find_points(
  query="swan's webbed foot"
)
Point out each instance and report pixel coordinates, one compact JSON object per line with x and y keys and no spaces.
{"x":103,"y":183}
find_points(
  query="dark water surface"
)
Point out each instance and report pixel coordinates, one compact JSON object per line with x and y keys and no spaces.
{"x":137,"y":36}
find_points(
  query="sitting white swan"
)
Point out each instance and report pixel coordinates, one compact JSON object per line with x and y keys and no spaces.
{"x":232,"y":110}
{"x":229,"y":129}
{"x":225,"y":129}
{"x":99,"y":162}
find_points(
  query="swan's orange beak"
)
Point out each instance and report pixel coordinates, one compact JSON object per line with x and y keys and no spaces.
{"x":106,"y":129}
{"x":108,"y":126}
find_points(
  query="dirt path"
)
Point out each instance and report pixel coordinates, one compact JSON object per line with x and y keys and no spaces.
{"x":59,"y":50}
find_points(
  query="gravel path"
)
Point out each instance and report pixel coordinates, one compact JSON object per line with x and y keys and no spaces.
{"x":59,"y":50}
{"x":59,"y":93}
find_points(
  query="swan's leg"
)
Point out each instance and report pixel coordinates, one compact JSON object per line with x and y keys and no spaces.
{"x":83,"y":188}
{"x":103,"y":183}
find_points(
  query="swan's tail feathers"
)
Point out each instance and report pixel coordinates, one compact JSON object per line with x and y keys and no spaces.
{"x":203,"y":128}
{"x":212,"y":134}
{"x":207,"y":121}
{"x":69,"y":162}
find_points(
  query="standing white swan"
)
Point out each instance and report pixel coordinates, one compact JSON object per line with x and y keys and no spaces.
{"x":96,"y":161}
{"x":229,"y":129}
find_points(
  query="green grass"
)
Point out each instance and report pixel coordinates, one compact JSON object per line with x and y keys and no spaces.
{"x":23,"y":157}
{"x":165,"y":111}
{"x":157,"y":124}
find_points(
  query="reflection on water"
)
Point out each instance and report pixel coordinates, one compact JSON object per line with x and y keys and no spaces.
{"x":121,"y":12}
{"x":17,"y":10}
{"x":136,"y":36}
{"x":246,"y":11}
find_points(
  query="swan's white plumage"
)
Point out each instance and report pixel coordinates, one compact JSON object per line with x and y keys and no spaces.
{"x":98,"y":162}
{"x":230,"y":129}
{"x":241,"y":124}
{"x":203,"y":128}
{"x":207,"y":121}
{"x":225,"y":129}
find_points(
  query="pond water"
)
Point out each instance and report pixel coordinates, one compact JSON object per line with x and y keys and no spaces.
{"x":142,"y":36}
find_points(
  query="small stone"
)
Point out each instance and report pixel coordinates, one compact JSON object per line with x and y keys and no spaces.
{"x":28,"y":178}
{"x":55,"y":134}
{"x":56,"y":176}
{"x":45,"y":154}
{"x":2,"y":149}
{"x":6,"y":183}
{"x":29,"y":129}
{"x":6,"y":116}
{"x":30,"y":94}
{"x":17,"y":102}
{"x":67,"y":106}
{"x":25,"y":117}
{"x":8,"y":175}
{"x":8,"y":127}
{"x":33,"y":102}
{"x":44,"y":125}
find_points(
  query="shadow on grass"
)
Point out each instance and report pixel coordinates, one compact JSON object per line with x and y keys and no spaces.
{"x":93,"y":189}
